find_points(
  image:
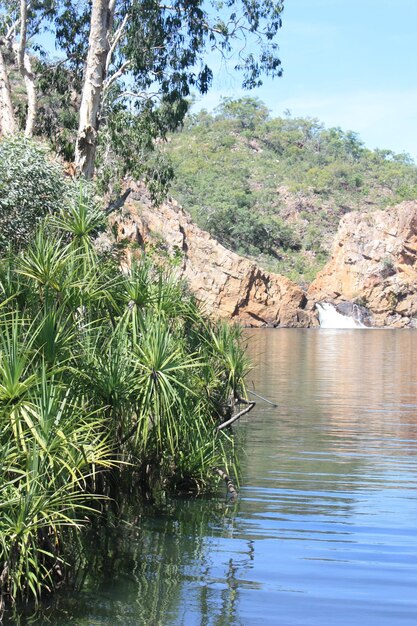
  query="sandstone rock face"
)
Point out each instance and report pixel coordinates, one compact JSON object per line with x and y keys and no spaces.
{"x":374,"y":262}
{"x":229,"y":285}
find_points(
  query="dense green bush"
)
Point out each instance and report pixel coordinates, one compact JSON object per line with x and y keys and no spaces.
{"x":111,"y":385}
{"x":32,"y":185}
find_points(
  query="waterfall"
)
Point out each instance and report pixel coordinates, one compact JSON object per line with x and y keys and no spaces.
{"x":330,"y":318}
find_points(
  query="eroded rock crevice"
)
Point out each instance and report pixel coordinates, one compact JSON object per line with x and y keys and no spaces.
{"x":385,"y":277}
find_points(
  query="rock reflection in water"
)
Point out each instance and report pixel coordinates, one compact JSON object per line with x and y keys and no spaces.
{"x":334,"y":494}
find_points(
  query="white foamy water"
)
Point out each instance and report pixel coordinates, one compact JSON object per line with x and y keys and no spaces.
{"x":330,"y":318}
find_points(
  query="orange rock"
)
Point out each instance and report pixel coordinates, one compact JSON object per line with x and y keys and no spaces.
{"x":229,"y":286}
{"x":374,"y":261}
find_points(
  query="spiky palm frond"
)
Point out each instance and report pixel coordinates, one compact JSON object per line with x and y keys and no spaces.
{"x":47,"y":263}
{"x":80,"y":219}
{"x":99,"y":371}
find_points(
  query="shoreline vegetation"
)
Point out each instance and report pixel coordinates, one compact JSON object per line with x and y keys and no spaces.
{"x":113,"y":385}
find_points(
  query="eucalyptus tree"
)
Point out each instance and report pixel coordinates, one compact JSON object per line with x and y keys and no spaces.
{"x":150,"y":50}
{"x":20,"y":23}
{"x":138,"y":57}
{"x":7,"y":119}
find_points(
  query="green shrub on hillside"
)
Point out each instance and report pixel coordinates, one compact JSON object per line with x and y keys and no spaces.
{"x":32,"y":185}
{"x":276,"y":188}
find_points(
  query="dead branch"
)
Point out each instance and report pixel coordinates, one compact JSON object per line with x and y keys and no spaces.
{"x":257,"y":395}
{"x":107,"y":84}
{"x":229,"y":484}
{"x":234,"y":418}
{"x":118,"y":203}
{"x":117,"y":36}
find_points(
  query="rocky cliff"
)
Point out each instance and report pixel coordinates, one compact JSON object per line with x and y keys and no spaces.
{"x":229,"y":285}
{"x":374,"y":263}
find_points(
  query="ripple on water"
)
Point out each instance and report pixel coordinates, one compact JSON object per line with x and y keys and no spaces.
{"x":324,"y":532}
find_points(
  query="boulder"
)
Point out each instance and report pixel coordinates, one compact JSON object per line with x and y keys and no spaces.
{"x":374,"y":263}
{"x":356,"y":311}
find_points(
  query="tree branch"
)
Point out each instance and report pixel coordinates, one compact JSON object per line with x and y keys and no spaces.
{"x":118,"y":203}
{"x":141,"y":94}
{"x":257,"y":395}
{"x":116,"y":75}
{"x":23,"y":32}
{"x":233,"y":419}
{"x":116,"y":39}
{"x":230,"y":486}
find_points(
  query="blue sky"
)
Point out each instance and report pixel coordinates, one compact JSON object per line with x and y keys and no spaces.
{"x":350,"y":63}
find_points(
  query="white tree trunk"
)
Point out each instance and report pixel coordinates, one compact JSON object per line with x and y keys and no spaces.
{"x":7,"y":120}
{"x":25,"y":67}
{"x":32,"y":101}
{"x":95,"y":74}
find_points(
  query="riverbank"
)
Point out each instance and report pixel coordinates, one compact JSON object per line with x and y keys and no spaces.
{"x":111,"y":384}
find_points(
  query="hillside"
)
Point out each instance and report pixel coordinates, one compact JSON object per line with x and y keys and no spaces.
{"x":275,"y":189}
{"x":228,"y":286}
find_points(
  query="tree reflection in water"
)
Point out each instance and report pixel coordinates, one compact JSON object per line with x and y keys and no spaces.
{"x":155,"y":569}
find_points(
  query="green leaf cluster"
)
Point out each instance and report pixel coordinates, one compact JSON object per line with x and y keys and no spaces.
{"x":31,"y":186}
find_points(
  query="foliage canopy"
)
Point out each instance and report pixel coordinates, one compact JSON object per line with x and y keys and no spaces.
{"x":143,"y":57}
{"x":276,"y":188}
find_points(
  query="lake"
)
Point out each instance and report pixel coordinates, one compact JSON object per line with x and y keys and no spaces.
{"x":324,"y":531}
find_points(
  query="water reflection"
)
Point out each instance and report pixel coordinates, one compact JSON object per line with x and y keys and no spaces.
{"x":336,"y":494}
{"x":164,"y":568}
{"x":323,"y":533}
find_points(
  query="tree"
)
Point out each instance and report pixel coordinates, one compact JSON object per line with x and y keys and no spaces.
{"x":102,"y":15}
{"x":137,"y":55}
{"x":249,"y":113}
{"x":7,"y":120}
{"x":25,"y":67}
{"x":19,"y":22}
{"x":160,"y":49}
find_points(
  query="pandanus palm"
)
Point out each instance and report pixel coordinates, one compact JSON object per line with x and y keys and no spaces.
{"x":164,"y":383}
{"x":98,"y":368}
{"x":79,"y":221}
{"x":52,"y":453}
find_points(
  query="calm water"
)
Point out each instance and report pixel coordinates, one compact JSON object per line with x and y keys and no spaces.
{"x":324,"y":532}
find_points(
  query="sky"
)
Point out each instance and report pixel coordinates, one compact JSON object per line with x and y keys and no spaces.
{"x":349,"y":63}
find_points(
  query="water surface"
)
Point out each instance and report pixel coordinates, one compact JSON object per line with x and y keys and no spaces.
{"x":324,"y":532}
